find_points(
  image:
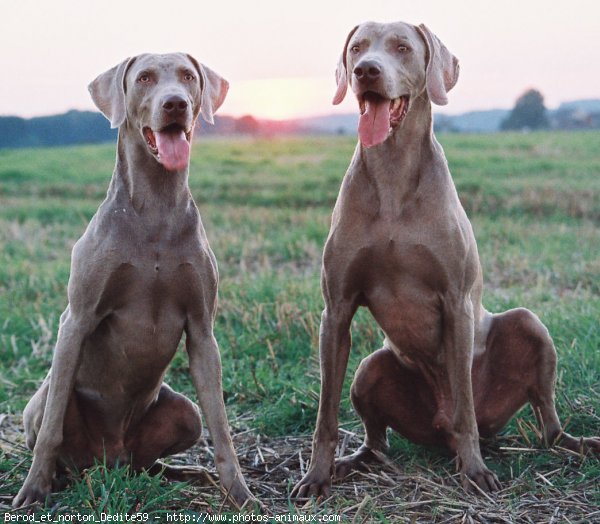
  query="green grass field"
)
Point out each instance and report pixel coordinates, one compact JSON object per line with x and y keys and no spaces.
{"x":534,"y":201}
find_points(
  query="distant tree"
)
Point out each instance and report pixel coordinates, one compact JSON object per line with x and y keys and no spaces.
{"x":529,"y":112}
{"x":13,"y":131}
{"x":247,"y":125}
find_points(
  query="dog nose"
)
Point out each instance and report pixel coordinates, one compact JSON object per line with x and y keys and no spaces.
{"x":174,"y":105}
{"x":367,"y":70}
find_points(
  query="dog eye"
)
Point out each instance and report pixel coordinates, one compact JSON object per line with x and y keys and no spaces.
{"x":144,"y":78}
{"x":355,"y":48}
{"x":402,"y":48}
{"x":189,"y":77}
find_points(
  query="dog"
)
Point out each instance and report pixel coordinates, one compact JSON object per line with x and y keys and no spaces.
{"x":142,"y":274}
{"x":401,"y":245}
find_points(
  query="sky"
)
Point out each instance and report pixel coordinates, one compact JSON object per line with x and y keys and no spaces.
{"x":280,"y":56}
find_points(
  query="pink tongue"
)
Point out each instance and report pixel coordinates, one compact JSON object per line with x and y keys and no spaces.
{"x":173,"y":150}
{"x":374,"y":123}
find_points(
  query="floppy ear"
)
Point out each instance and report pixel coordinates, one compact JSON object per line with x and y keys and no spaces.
{"x":341,"y":74}
{"x":442,"y":67}
{"x":214,"y":91}
{"x":108,"y":93}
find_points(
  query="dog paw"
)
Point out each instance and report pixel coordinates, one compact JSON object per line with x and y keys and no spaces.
{"x":358,"y":461}
{"x":480,"y":479}
{"x":346,"y":465}
{"x":314,"y":484}
{"x":32,"y":493}
{"x":240,"y":495}
{"x":582,"y":445}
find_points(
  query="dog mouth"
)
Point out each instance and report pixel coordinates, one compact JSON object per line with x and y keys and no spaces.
{"x":170,"y":145}
{"x":379,"y":115}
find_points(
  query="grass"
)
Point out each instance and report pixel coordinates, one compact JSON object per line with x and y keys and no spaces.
{"x":534,"y":201}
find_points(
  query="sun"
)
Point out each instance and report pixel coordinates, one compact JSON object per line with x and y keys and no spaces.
{"x":279,"y":98}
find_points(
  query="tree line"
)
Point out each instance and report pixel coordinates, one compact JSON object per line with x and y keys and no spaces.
{"x":86,"y":127}
{"x":73,"y":127}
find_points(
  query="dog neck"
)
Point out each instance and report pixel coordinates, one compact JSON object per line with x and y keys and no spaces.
{"x":401,"y":151}
{"x":148,"y":186}
{"x":395,"y":166}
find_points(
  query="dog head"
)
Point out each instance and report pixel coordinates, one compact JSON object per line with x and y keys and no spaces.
{"x":387,"y":66}
{"x":160,"y":97}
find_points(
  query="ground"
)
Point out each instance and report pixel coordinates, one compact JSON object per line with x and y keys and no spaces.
{"x":534,"y":201}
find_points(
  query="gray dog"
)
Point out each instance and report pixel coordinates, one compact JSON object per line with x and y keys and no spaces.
{"x":141,"y":275}
{"x":401,"y":245}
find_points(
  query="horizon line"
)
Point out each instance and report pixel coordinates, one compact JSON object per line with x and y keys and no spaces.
{"x":238,"y":115}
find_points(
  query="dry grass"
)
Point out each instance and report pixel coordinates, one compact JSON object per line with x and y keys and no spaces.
{"x":387,"y":492}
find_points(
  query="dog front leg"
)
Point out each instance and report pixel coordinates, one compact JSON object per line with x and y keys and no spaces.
{"x":205,"y":368}
{"x":334,"y":349}
{"x":458,"y":347}
{"x":38,"y":484}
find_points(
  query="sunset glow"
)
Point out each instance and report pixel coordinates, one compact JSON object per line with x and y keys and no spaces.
{"x":279,"y":98}
{"x":281,"y":62}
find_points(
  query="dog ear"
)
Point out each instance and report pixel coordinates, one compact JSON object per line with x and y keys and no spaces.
{"x":341,"y":74}
{"x":108,"y":92}
{"x":442,"y":67}
{"x":214,"y":91}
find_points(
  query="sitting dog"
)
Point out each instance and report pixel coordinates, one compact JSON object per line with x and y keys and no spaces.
{"x":401,"y":245}
{"x":142,"y":274}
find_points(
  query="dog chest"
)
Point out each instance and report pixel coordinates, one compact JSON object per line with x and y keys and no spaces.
{"x":401,"y":283}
